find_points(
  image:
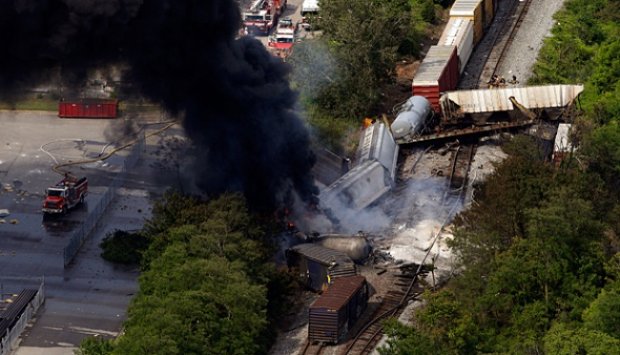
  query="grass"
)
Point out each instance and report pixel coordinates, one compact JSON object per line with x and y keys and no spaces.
{"x":51,"y":104}
{"x":30,"y":104}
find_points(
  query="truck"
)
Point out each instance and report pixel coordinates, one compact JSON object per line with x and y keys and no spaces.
{"x":262,"y":16}
{"x":281,"y":43}
{"x":66,"y":194}
{"x":310,"y":7}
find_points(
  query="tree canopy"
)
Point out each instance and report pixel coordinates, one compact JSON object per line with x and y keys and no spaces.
{"x":344,"y":73}
{"x":539,"y":248}
{"x":207,"y":287}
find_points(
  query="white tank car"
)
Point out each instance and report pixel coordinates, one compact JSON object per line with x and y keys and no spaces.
{"x":357,"y":247}
{"x":411,"y":118}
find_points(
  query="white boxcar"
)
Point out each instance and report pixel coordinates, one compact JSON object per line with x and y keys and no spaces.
{"x":459,"y":32}
{"x":470,"y":9}
{"x":357,"y":189}
{"x":378,"y":144}
{"x":370,"y":179}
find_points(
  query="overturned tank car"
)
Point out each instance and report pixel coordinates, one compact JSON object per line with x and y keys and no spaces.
{"x":356,"y":247}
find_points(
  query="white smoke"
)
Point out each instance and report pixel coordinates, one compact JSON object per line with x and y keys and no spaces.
{"x":372,"y":219}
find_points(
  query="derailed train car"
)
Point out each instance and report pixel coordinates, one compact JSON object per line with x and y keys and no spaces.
{"x":333,"y":314}
{"x":319,"y":266}
{"x":412,"y":119}
{"x":372,"y":176}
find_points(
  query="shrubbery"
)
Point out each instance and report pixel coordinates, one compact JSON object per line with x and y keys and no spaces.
{"x":540,"y":247}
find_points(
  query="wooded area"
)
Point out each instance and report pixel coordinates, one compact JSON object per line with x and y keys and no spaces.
{"x":539,"y":247}
{"x":208,"y":285}
{"x":343,"y":75}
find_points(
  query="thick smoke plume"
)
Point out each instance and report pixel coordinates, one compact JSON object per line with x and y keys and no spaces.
{"x":235,"y":97}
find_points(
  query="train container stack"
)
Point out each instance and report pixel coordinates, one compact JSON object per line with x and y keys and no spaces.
{"x":319,"y":266}
{"x":489,"y":11}
{"x":470,"y":10}
{"x":88,"y":108}
{"x":481,"y":12}
{"x":438,"y":72}
{"x":459,"y":32}
{"x":335,"y":312}
{"x":444,"y":62}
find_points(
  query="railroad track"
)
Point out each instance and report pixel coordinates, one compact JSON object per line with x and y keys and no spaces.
{"x":460,"y":166}
{"x":312,"y":348}
{"x":501,"y":27}
{"x":501,"y":41}
{"x":405,"y":284}
{"x":392,"y":305}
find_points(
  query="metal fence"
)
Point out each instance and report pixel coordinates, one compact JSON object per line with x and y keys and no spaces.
{"x":9,"y":340}
{"x":92,"y":221}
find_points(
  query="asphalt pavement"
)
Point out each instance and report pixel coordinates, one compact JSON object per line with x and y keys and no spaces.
{"x":91,"y":296}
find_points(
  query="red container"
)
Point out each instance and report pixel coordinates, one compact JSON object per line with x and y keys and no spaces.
{"x":438,"y":72}
{"x":333,"y":314}
{"x":88,"y":108}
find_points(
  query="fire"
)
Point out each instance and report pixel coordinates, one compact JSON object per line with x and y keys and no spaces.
{"x":368,"y":122}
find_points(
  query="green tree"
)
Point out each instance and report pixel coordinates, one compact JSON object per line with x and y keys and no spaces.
{"x":423,"y":10}
{"x":562,"y":339}
{"x":363,"y":38}
{"x":205,"y":283}
{"x":403,"y":340}
{"x":95,"y":346}
{"x":499,"y":215}
{"x":123,"y":247}
{"x":196,"y":306}
{"x":603,"y":314}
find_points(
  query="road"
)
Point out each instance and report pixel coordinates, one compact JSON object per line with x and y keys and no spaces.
{"x":293,"y":10}
{"x":91,"y":296}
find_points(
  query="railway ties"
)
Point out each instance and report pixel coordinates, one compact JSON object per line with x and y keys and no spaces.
{"x":312,"y":348}
{"x":501,"y":42}
{"x":460,"y":166}
{"x":392,"y":305}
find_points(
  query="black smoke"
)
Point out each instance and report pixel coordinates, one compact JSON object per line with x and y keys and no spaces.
{"x":234,"y":96}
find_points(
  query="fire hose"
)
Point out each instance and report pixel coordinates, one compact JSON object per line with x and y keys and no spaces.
{"x":58,"y":167}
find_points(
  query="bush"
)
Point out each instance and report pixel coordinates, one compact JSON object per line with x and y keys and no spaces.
{"x":123,"y":247}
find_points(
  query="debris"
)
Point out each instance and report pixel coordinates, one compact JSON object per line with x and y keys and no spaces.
{"x":4,"y":212}
{"x":14,"y":221}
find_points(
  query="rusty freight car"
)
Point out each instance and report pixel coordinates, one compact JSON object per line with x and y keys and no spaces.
{"x":333,"y":314}
{"x":319,"y":266}
{"x":438,"y":72}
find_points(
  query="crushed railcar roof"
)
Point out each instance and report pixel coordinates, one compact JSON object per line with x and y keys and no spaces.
{"x":498,"y":99}
{"x":344,"y":266}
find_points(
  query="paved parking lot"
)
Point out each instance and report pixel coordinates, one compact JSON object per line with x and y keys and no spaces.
{"x":91,"y":296}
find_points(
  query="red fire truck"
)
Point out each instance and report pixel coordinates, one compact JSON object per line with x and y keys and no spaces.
{"x":281,"y":43}
{"x":262,"y":16}
{"x":66,"y":194}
